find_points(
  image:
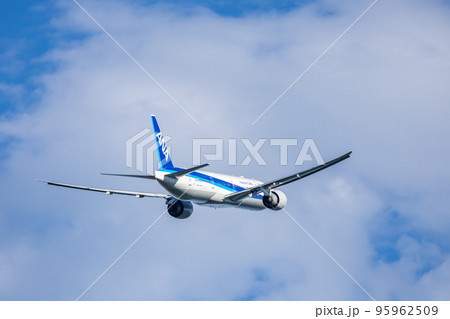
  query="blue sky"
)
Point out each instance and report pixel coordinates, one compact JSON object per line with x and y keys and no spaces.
{"x":70,"y":98}
{"x":24,"y":37}
{"x":28,"y":35}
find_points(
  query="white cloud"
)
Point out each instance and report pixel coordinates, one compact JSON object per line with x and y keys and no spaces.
{"x":380,"y":91}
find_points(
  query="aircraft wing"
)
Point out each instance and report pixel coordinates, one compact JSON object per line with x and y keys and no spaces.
{"x":266,"y":187}
{"x":108,"y":191}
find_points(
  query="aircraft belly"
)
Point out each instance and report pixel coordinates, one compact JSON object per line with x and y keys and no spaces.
{"x":194,"y":193}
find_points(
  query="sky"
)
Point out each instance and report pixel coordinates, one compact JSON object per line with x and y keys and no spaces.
{"x":70,"y":98}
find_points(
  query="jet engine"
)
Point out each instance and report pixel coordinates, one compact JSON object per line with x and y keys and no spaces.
{"x":180,"y":209}
{"x":276,"y":200}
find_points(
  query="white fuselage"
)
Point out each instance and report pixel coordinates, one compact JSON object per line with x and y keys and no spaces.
{"x":210,"y":189}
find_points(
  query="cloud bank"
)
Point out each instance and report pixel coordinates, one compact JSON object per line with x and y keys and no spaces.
{"x":381,"y":91}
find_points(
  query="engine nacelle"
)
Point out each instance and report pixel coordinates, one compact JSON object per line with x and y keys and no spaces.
{"x":180,"y":209}
{"x":276,"y":200}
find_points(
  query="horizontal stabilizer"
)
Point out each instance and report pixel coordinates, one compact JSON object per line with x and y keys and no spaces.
{"x":186,"y":171}
{"x":126,"y":175}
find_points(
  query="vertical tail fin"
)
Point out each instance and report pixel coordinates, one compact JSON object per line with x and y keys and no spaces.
{"x":163,"y":153}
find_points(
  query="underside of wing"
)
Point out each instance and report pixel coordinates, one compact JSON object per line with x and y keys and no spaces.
{"x":266,"y":187}
{"x":108,"y":191}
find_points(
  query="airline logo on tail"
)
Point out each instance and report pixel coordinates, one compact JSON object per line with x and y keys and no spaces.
{"x":163,"y":151}
{"x":163,"y":146}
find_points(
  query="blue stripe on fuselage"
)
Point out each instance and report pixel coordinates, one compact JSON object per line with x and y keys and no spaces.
{"x":211,"y":180}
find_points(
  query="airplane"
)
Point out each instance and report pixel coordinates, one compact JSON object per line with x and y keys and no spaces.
{"x":187,"y":186}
